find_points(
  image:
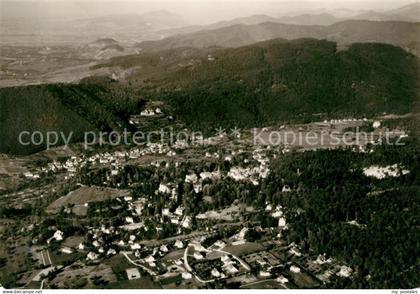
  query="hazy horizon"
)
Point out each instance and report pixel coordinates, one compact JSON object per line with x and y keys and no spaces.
{"x":193,"y":12}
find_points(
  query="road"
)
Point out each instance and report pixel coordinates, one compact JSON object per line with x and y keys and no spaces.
{"x":189,"y":269}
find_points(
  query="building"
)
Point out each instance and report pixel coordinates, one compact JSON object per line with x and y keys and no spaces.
{"x":133,"y":274}
{"x":198,"y":255}
{"x":186,"y":276}
{"x":66,"y":250}
{"x":178,"y":244}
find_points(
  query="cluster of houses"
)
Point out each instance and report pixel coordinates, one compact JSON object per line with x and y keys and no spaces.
{"x":252,"y":174}
{"x":344,"y":120}
{"x":151,"y":112}
{"x":382,"y":172}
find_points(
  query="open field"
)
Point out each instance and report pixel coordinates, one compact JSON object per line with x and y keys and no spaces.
{"x":85,"y":195}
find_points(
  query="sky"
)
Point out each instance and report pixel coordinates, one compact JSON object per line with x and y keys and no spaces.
{"x":193,"y":11}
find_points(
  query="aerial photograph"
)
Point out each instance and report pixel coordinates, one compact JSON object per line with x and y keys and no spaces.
{"x":213,"y":145}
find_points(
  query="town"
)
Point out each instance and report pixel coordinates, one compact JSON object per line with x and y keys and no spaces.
{"x":166,"y":216}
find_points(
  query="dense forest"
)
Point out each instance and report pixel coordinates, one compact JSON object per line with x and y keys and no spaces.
{"x":279,"y":81}
{"x":382,"y":245}
{"x":94,"y":104}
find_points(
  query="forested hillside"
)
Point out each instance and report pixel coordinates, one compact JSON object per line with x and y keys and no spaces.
{"x":280,"y":80}
{"x":397,"y":33}
{"x":94,"y":105}
{"x":268,"y":82}
{"x":369,"y":223}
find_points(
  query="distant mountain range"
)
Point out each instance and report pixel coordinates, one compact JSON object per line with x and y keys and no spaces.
{"x":402,"y":34}
{"x":408,"y":13}
{"x":154,"y":25}
{"x":276,"y":80}
{"x":123,"y":27}
{"x":258,"y":84}
{"x":307,"y":19}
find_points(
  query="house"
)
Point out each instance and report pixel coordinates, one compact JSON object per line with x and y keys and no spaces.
{"x":191,"y":178}
{"x":179,"y":211}
{"x":345,"y":272}
{"x":242,"y":233}
{"x":66,"y":250}
{"x":186,"y":276}
{"x":81,"y":246}
{"x":376,"y":124}
{"x":226,"y":260}
{"x":230,"y":268}
{"x":149,"y":259}
{"x":186,"y":222}
{"x":163,"y":248}
{"x":147,"y":112}
{"x":282,"y":279}
{"x":198,"y":188}
{"x":264,"y":274}
{"x":133,"y":273}
{"x":294,"y":269}
{"x":215,"y":273}
{"x":178,"y":244}
{"x":282,"y":222}
{"x":164,"y":189}
{"x":111,"y":252}
{"x":92,"y":256}
{"x":129,"y":220}
{"x":198,"y":255}
{"x":135,"y":246}
{"x":295,"y":251}
{"x":321,"y":259}
{"x":286,"y":189}
{"x":58,"y":235}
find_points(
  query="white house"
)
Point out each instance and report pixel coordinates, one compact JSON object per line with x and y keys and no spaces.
{"x":178,"y":244}
{"x":191,"y":178}
{"x":215,"y":273}
{"x":198,"y":255}
{"x":66,"y":250}
{"x":164,"y":189}
{"x":345,"y":272}
{"x":294,"y":269}
{"x":133,"y":273}
{"x":376,"y":124}
{"x":186,"y":222}
{"x":186,"y":275}
{"x":179,"y":211}
{"x":92,"y":256}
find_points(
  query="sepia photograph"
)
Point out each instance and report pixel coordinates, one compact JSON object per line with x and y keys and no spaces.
{"x":218,"y":145}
